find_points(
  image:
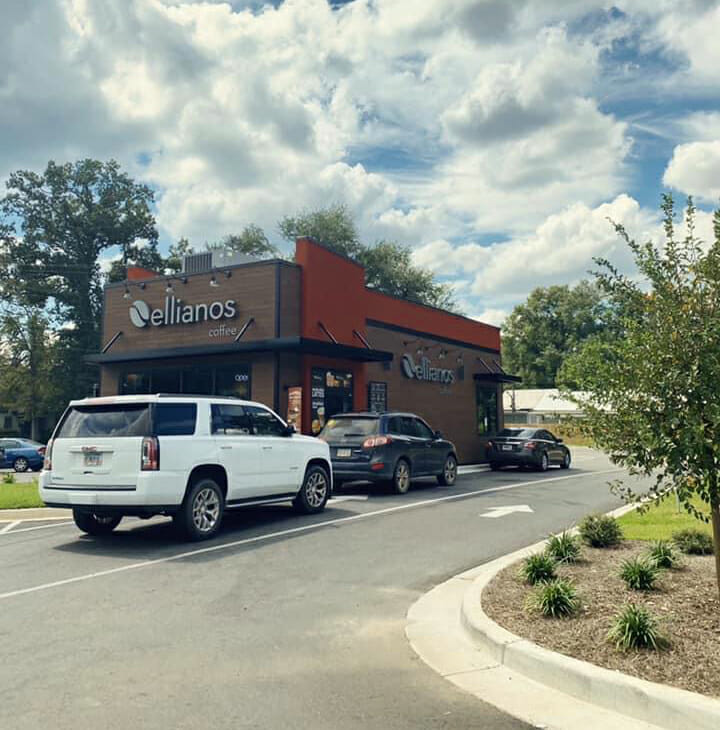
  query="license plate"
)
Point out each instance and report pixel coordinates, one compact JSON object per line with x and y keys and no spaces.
{"x":343,"y":453}
{"x":506,"y":447}
{"x":93,"y":459}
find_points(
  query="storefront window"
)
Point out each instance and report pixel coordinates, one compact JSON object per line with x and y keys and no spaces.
{"x":487,"y":410}
{"x":198,"y":381}
{"x":233,"y":380}
{"x":331,"y":393}
{"x":166,"y":381}
{"x":135,"y":383}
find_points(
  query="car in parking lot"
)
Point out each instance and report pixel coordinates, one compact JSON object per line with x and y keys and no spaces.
{"x":188,"y":457}
{"x":21,"y":454}
{"x":388,"y":447}
{"x":533,"y":447}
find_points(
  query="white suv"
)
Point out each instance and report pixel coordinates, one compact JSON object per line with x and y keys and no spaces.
{"x":185,"y":456}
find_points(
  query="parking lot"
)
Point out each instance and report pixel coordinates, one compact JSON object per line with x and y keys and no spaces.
{"x":281,"y":621}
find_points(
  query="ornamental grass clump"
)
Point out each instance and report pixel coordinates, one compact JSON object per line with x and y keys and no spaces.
{"x":662,"y":553}
{"x":693,"y":542}
{"x":639,"y":574}
{"x":636,"y":628}
{"x":555,"y":599}
{"x":538,"y":568}
{"x":565,"y":548}
{"x":600,"y":531}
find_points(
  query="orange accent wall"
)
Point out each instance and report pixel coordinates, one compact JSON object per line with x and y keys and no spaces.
{"x":138,"y":273}
{"x":334,"y":293}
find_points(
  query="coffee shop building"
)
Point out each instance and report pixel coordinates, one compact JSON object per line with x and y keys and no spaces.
{"x":308,"y":339}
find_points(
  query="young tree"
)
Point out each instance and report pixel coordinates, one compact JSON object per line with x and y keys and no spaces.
{"x":539,"y":334}
{"x":53,"y":228}
{"x":388,"y":265}
{"x":251,"y":241}
{"x":651,"y":395}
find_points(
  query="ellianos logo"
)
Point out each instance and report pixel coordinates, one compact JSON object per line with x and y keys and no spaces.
{"x":175,"y":312}
{"x":424,"y":371}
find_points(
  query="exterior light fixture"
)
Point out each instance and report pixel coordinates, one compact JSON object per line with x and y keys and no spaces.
{"x":213,"y":281}
{"x":184,"y":280}
{"x":126,"y":295}
{"x":441,"y":355}
{"x":169,"y":287}
{"x":142,"y":285}
{"x":228,"y":274}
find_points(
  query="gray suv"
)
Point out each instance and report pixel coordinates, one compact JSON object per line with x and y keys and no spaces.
{"x":388,"y":447}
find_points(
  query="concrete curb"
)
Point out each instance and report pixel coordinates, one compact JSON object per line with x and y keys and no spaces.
{"x":27,"y":514}
{"x":657,"y":704}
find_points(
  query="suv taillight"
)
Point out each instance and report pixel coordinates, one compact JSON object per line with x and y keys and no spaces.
{"x":530,"y":445}
{"x":150,"y":459}
{"x":373,"y":441}
{"x":47,"y":454}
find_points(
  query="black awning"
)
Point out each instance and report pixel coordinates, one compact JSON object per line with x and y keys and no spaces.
{"x":497,"y":378}
{"x":277,"y":344}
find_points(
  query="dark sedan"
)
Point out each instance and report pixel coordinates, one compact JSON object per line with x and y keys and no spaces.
{"x":534,"y":447}
{"x":21,"y":454}
{"x":388,"y":447}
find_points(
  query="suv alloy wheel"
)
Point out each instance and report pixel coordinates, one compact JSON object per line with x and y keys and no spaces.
{"x":401,"y":477}
{"x":200,"y":516}
{"x":315,"y":491}
{"x":449,"y":472}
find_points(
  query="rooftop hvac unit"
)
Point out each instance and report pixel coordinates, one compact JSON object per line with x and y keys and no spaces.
{"x":197,"y":263}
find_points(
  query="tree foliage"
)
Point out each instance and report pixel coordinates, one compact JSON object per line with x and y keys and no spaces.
{"x":651,"y":395}
{"x":388,"y":265}
{"x":54,"y":226}
{"x":251,"y":241}
{"x":554,"y":321}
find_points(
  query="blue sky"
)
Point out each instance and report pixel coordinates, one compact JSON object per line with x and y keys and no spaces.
{"x":494,"y":137}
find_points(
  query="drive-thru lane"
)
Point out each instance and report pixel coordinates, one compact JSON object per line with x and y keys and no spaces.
{"x":281,"y":622}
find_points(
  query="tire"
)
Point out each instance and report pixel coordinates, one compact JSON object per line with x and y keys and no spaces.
{"x":314,"y":492}
{"x":544,"y":462}
{"x":21,"y":464}
{"x":494,"y":466}
{"x":565,"y":464}
{"x":202,"y":510}
{"x":449,"y":473}
{"x":94,"y":524}
{"x":400,"y":483}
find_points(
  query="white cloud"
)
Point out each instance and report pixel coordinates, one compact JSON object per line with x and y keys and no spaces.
{"x":695,"y":169}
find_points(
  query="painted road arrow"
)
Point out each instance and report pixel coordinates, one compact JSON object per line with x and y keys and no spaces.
{"x":502,"y":511}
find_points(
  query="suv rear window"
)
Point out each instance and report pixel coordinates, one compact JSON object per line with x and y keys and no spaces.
{"x":111,"y":420}
{"x":349,"y":427}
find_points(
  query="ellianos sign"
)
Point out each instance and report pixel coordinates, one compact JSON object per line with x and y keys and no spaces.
{"x":424,"y":371}
{"x":175,"y":312}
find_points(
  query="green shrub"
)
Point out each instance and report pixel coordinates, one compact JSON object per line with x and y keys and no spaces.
{"x":662,"y":553}
{"x":635,"y":628}
{"x":565,"y":548}
{"x":693,"y":542}
{"x":639,"y":574}
{"x":555,"y":599}
{"x":8,"y":478}
{"x":537,"y":568}
{"x":600,"y":531}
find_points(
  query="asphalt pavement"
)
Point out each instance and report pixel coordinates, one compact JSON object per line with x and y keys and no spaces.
{"x":280,"y":622}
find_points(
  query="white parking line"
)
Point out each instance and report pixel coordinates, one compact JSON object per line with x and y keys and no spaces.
{"x":9,"y":526}
{"x":291,"y":531}
{"x":8,"y":531}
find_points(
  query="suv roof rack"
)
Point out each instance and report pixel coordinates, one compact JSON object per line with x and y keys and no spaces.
{"x":195,"y":395}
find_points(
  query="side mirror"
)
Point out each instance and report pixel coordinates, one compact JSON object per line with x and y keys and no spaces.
{"x":437,"y":434}
{"x":289,"y":430}
{"x":559,"y":441}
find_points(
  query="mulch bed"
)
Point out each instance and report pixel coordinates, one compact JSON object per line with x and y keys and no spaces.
{"x":686,"y":605}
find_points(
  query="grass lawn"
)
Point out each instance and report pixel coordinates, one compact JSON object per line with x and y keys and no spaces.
{"x":660,"y":521}
{"x":19,"y":496}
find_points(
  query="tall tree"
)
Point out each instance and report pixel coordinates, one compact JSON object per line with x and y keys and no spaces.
{"x":539,"y":334}
{"x":651,"y":397}
{"x":55,"y":227}
{"x":28,"y":382}
{"x":251,"y":241}
{"x":388,"y":265}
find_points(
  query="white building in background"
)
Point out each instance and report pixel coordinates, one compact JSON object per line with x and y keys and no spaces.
{"x":537,"y":405}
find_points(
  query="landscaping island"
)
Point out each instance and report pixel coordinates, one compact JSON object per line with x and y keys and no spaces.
{"x":683,"y":602}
